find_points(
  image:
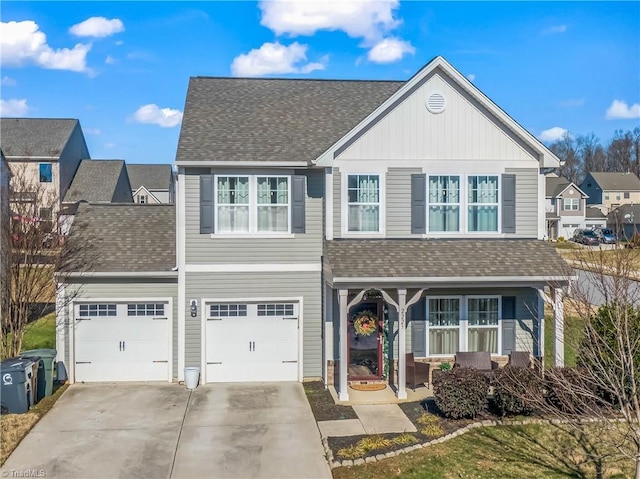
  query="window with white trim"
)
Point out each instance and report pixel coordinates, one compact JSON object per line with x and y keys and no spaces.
{"x":462,"y":323}
{"x":145,"y":309}
{"x":363,"y":208}
{"x":571,"y":204}
{"x":482,"y":203}
{"x":276,"y":309}
{"x":227,"y":310}
{"x":252,"y":204}
{"x":97,"y":310}
{"x":444,"y":203}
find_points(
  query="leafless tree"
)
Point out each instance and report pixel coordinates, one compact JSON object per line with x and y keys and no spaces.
{"x":35,"y":252}
{"x":565,"y":149}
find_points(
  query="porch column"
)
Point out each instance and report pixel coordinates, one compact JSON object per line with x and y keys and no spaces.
{"x":343,"y":394}
{"x":558,"y":327}
{"x":402,"y":343}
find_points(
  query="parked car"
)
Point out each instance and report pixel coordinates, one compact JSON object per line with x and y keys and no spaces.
{"x":606,"y":235}
{"x":586,"y":237}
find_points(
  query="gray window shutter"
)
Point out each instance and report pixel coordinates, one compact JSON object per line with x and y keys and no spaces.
{"x":418,"y":204}
{"x":418,"y":338}
{"x":508,"y":203}
{"x":298,"y":196}
{"x":508,"y":324}
{"x":206,"y":204}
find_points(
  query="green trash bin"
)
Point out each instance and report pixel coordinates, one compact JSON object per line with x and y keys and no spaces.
{"x":48,"y":356}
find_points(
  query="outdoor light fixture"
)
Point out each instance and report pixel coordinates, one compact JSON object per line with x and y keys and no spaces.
{"x":194,"y":308}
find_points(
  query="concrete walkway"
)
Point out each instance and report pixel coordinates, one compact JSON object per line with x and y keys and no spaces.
{"x":164,"y":431}
{"x":372,"y":419}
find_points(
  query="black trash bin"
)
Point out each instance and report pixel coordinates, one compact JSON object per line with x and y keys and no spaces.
{"x":16,"y":376}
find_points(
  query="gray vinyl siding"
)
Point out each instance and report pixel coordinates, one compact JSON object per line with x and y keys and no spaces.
{"x":120,"y":288}
{"x":74,"y":152}
{"x":527,"y":203}
{"x":302,"y":248}
{"x":398,"y":201}
{"x":212,"y":286}
{"x":337,"y":203}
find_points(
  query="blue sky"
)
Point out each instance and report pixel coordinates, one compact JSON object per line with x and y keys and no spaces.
{"x":122,"y":68}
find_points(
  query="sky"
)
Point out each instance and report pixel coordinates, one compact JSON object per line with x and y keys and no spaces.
{"x":122,"y":68}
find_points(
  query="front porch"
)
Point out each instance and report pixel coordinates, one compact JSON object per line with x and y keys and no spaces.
{"x":434,"y":314}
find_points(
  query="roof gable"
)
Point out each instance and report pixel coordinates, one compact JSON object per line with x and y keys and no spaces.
{"x":440,"y":68}
{"x":35,"y":137}
{"x":152,"y":176}
{"x":556,"y":185}
{"x":99,"y":181}
{"x":610,"y":181}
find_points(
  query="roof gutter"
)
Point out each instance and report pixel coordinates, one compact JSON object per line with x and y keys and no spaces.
{"x":122,"y":274}
{"x":459,"y":280}
{"x":260,"y":164}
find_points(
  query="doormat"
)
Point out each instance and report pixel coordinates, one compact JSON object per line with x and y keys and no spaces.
{"x":368,"y":386}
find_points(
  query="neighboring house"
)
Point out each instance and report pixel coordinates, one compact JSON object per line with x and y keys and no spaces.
{"x":566,"y":208}
{"x":47,"y":153}
{"x":308,"y":203}
{"x":5,"y":224}
{"x":152,"y":184}
{"x":610,"y":190}
{"x":625,"y":221}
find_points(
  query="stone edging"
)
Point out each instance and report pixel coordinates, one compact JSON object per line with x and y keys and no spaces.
{"x":335,"y":463}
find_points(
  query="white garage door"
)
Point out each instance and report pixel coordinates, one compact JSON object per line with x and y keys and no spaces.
{"x":122,"y":341}
{"x":252,"y":342}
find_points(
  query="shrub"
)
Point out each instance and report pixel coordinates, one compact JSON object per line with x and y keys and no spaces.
{"x":516,"y":390}
{"x":567,"y":391}
{"x":445,"y":366}
{"x":461,"y":392}
{"x":561,"y":239}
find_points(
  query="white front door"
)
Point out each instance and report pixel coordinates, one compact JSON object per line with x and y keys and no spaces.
{"x":251,"y":342}
{"x":122,"y":341}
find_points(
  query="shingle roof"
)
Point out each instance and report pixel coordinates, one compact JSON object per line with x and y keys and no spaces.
{"x":24,"y":137}
{"x":442,"y":258}
{"x":152,"y":177}
{"x":592,"y":212}
{"x":126,"y":237}
{"x":95,"y":181}
{"x":241,"y":119}
{"x":617,"y":181}
{"x":631,"y":212}
{"x":554,"y":185}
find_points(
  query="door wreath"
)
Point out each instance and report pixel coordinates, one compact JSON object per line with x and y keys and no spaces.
{"x":365,"y":323}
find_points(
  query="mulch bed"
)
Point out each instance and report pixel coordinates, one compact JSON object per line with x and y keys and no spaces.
{"x":322,"y":404}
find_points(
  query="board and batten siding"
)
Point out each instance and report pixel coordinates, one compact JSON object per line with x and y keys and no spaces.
{"x":398,"y":201}
{"x":464,"y":130}
{"x":300,"y":248}
{"x":123,"y":288}
{"x":526,"y":312}
{"x":212,"y":286}
{"x":337,"y":203}
{"x":527,"y":204}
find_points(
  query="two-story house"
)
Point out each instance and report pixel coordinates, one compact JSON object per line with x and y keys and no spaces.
{"x":610,"y":190}
{"x":325,"y":228}
{"x":152,"y":183}
{"x":566,"y":208}
{"x":44,"y":155}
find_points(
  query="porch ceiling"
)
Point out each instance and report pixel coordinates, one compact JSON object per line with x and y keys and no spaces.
{"x":441,"y":261}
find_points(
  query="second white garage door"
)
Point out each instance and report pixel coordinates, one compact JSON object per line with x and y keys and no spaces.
{"x":122,"y":341}
{"x":250,"y":342}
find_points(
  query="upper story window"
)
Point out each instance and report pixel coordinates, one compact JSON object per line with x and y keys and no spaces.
{"x":571,"y":204}
{"x":252,"y":204}
{"x":363,"y":203}
{"x":444,"y":203}
{"x":627,"y":195}
{"x":482,"y":201}
{"x":46,"y":173}
{"x":606,"y":196}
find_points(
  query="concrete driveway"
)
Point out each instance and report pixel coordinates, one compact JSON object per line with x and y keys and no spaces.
{"x":110,"y":431}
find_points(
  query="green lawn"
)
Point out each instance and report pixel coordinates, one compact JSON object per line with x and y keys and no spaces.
{"x":573,"y":330}
{"x":533,"y":451}
{"x":41,"y":333}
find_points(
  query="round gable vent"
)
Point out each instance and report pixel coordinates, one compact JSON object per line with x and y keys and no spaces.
{"x":436,"y":102}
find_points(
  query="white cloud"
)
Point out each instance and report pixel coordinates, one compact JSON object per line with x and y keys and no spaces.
{"x":275,"y":58}
{"x":554,"y":29}
{"x":620,"y":110}
{"x":154,"y":115}
{"x":390,"y":50}
{"x":553,"y":134}
{"x":97,"y":27}
{"x":471,"y":77}
{"x":92,"y":131}
{"x":7,"y":81}
{"x":110,"y":60}
{"x":357,"y":18}
{"x":13,"y":107}
{"x":23,"y":43}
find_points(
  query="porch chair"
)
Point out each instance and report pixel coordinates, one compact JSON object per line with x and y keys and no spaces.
{"x":417,"y":372}
{"x":519,"y":359}
{"x":480,"y":360}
